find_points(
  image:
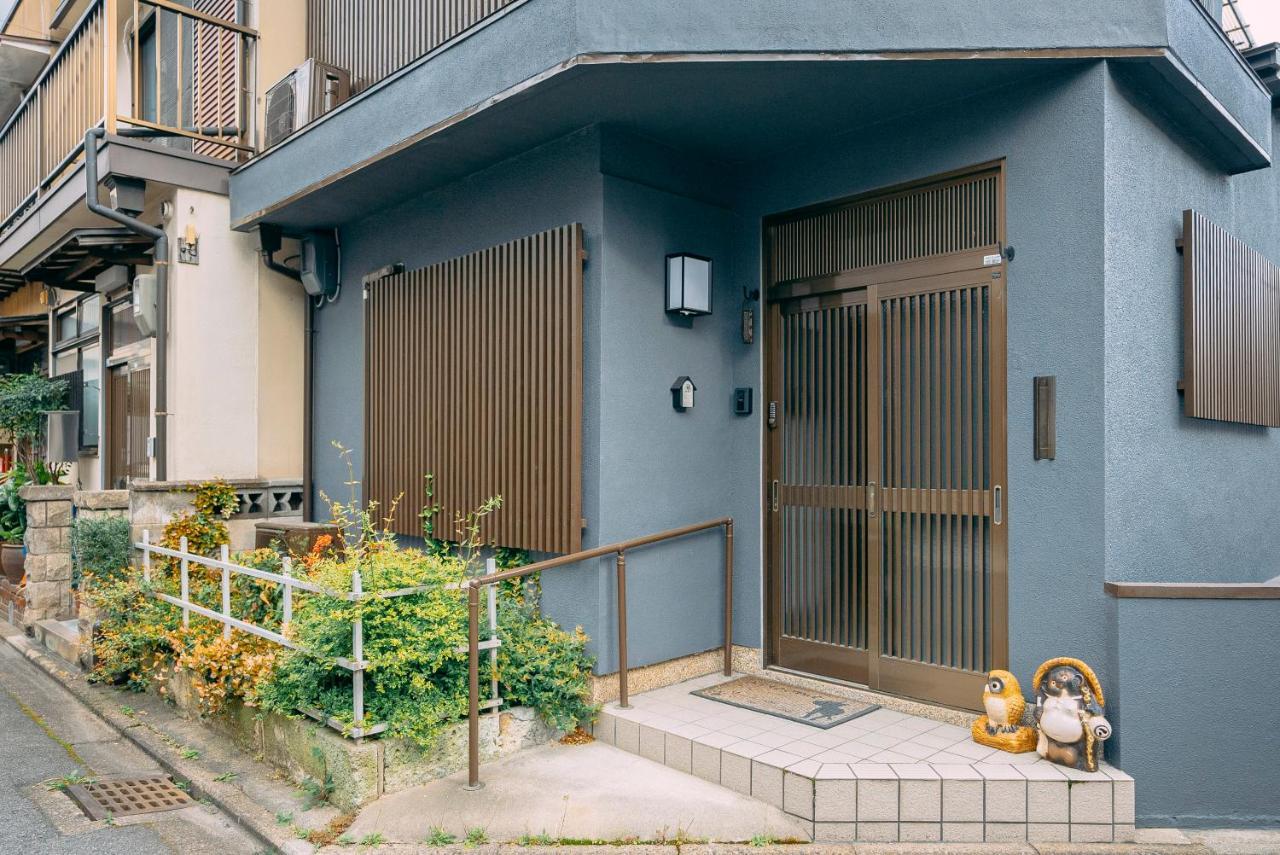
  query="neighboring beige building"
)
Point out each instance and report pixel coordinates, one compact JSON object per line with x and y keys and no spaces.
{"x":176,"y":100}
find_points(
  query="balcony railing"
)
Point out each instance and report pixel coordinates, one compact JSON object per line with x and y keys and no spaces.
{"x":189,"y":69}
{"x":373,"y":39}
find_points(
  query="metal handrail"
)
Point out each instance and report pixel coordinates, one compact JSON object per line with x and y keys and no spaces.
{"x":618,"y":550}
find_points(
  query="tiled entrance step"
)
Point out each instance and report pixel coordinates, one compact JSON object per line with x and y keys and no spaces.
{"x":886,"y":776}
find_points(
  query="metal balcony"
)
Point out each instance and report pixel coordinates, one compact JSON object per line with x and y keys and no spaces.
{"x":189,"y":76}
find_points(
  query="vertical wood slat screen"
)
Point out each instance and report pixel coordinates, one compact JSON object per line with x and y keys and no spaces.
{"x":374,"y":38}
{"x":473,"y":374}
{"x":955,"y":215}
{"x":1231,"y":327}
{"x":215,"y":63}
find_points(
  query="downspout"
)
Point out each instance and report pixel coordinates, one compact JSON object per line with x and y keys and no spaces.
{"x":308,"y":452}
{"x":161,"y":257}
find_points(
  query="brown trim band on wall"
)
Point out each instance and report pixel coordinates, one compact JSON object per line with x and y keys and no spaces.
{"x":1194,"y":590}
{"x":473,"y":375}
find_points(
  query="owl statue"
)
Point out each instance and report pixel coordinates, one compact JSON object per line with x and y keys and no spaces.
{"x":1069,"y":712}
{"x":1002,"y":726}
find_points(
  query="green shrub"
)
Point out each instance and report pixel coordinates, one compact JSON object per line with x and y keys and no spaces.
{"x":100,"y":546}
{"x":132,"y":636}
{"x":542,"y":666}
{"x":13,"y":509}
{"x":24,"y":399}
{"x":415,"y":645}
{"x":416,"y":681}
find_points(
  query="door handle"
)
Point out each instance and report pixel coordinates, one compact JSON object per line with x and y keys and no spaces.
{"x":871,"y":499}
{"x":773,"y":495}
{"x":997,"y":499}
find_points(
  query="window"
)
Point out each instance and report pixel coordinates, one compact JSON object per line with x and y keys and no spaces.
{"x":123,"y":330}
{"x":77,"y":354}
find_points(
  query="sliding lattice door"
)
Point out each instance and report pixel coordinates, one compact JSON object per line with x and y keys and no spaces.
{"x":887,"y":531}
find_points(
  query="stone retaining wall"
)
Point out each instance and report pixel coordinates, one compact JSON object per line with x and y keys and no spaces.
{"x":48,"y":591}
{"x":359,"y":771}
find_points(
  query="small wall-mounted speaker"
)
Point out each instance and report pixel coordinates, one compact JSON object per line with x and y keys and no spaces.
{"x":1046,"y":418}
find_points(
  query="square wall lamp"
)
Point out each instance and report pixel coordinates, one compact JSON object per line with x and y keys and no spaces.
{"x":688,"y":284}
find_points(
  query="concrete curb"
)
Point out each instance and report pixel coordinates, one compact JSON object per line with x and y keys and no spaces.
{"x":258,"y":823}
{"x":790,"y":849}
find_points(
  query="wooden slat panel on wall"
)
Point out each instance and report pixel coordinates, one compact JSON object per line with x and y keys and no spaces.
{"x":473,"y":374}
{"x":374,"y":38}
{"x":1231,"y":327}
{"x":215,"y":74}
{"x":955,"y":215}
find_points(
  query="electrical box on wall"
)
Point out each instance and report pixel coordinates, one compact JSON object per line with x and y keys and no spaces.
{"x":144,"y":304}
{"x":742,"y":401}
{"x":319,"y":268}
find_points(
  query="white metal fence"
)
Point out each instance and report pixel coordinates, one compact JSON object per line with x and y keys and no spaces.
{"x":290,"y":583}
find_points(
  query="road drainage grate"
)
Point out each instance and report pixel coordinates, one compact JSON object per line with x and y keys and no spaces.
{"x":117,"y":797}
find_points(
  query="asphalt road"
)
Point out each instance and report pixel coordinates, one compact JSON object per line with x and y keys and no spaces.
{"x":45,"y":735}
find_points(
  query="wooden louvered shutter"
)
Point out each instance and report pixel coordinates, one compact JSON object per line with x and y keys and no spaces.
{"x":1231,"y":316}
{"x":473,"y":374}
{"x":214,"y":90}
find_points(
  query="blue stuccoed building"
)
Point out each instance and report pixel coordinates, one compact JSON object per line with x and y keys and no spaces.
{"x":977,"y":301}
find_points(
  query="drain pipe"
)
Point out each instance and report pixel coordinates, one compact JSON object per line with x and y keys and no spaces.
{"x":161,"y":256}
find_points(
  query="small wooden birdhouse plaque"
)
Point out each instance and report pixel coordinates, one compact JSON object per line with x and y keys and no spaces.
{"x":682,"y":394}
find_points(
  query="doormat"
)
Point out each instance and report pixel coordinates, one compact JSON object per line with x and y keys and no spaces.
{"x":116,"y":797}
{"x":785,"y":701}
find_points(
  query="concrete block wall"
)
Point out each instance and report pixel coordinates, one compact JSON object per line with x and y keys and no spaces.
{"x":48,"y":591}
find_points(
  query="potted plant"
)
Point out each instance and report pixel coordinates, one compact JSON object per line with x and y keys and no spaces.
{"x":24,"y":399}
{"x":13,"y":524}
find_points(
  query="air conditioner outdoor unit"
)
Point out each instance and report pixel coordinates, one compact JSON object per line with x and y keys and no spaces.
{"x":304,"y":95}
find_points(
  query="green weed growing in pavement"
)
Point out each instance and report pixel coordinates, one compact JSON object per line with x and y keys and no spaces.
{"x":190,"y":754}
{"x":536,"y":840}
{"x":226,"y":777}
{"x":762,"y":840}
{"x":439,"y":837}
{"x":128,"y":710}
{"x":72,"y":780}
{"x":283,"y":818}
{"x":373,"y":838}
{"x":316,"y":792}
{"x":475,"y":837}
{"x":346,"y":840}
